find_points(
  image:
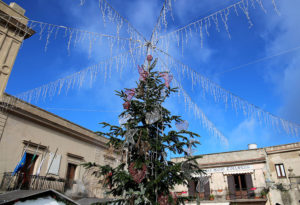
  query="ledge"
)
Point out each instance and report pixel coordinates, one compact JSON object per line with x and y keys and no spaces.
{"x":75,"y":156}
{"x":15,"y":24}
{"x":230,"y":163}
{"x":32,"y":144}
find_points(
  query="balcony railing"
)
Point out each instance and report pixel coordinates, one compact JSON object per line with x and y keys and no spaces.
{"x":225,"y":194}
{"x":33,"y":182}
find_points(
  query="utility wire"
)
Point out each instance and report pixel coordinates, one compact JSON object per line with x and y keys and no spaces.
{"x":236,"y":98}
{"x":259,"y":60}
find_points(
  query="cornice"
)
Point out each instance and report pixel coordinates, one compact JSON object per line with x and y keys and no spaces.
{"x":233,"y":163}
{"x":35,"y":114}
{"x":15,"y":24}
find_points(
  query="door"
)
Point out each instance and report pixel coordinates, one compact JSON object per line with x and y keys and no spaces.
{"x":70,"y":176}
{"x":240,"y":186}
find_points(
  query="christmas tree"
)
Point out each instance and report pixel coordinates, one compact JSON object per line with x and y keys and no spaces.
{"x":145,"y":176}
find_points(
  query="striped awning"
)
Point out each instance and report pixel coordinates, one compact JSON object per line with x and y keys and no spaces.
{"x":246,"y":171}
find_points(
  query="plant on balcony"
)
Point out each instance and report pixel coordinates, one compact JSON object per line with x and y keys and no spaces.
{"x":257,"y":196}
{"x":264,"y":193}
{"x":280,"y":187}
{"x":211,"y":197}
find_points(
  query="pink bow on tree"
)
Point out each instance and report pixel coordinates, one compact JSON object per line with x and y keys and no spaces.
{"x":143,"y":74}
{"x":168,"y":77}
{"x":130,"y":93}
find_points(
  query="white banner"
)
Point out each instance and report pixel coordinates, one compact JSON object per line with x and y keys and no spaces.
{"x":248,"y":168}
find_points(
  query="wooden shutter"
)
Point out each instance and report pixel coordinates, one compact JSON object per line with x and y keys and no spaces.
{"x":191,"y":187}
{"x":249,"y":185}
{"x":231,"y":186}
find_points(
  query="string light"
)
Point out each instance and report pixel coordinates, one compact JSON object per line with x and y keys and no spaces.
{"x":220,"y":94}
{"x":205,"y":122}
{"x":76,"y":79}
{"x":183,"y":34}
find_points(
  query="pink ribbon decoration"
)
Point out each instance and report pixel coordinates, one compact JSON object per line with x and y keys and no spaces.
{"x":126,"y":105}
{"x":143,"y":74}
{"x":168,"y":77}
{"x":130,"y":93}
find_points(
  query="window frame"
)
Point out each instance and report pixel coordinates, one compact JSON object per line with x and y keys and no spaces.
{"x":280,"y":168}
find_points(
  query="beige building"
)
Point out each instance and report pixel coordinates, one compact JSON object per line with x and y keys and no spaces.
{"x":284,"y":173}
{"x":60,"y":146}
{"x":255,"y":176}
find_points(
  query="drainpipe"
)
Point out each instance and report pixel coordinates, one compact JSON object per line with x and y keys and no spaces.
{"x":268,"y":173}
{"x":267,"y":164}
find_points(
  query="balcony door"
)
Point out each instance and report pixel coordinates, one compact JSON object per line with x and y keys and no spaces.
{"x":27,"y":171}
{"x":239,"y":186}
{"x":70,"y":176}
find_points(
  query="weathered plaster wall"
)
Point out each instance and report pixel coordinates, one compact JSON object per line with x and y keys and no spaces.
{"x":18,"y":129}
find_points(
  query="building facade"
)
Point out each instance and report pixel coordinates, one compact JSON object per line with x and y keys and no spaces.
{"x":284,"y":173}
{"x":55,"y":148}
{"x":255,"y":176}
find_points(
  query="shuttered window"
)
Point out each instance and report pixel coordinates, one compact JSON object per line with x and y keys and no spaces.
{"x":231,"y":186}
{"x":280,"y":170}
{"x":191,"y":188}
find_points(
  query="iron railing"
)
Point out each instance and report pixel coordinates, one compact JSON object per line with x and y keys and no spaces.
{"x":225,"y":194}
{"x":33,"y":182}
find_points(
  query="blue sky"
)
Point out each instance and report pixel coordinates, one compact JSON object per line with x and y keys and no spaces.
{"x":271,"y":84}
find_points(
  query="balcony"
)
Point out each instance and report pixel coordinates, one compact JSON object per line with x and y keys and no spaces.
{"x":245,"y":196}
{"x":33,"y":182}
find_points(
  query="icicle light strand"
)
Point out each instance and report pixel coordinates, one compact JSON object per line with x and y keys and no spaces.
{"x":205,"y":122}
{"x":220,"y":94}
{"x":110,"y":14}
{"x":180,"y":35}
{"x":76,"y":79}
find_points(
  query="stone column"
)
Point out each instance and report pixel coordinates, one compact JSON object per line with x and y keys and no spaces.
{"x":13,"y":31}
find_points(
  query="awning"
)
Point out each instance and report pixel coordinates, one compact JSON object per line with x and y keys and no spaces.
{"x":247,"y":171}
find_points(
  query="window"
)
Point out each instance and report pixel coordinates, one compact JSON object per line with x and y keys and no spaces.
{"x":280,"y":170}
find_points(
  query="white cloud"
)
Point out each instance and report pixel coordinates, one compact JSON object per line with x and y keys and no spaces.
{"x":283,"y":34}
{"x":248,"y":132}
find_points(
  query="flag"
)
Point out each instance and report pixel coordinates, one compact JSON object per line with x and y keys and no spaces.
{"x":20,"y":164}
{"x":40,"y":167}
{"x":32,"y":160}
